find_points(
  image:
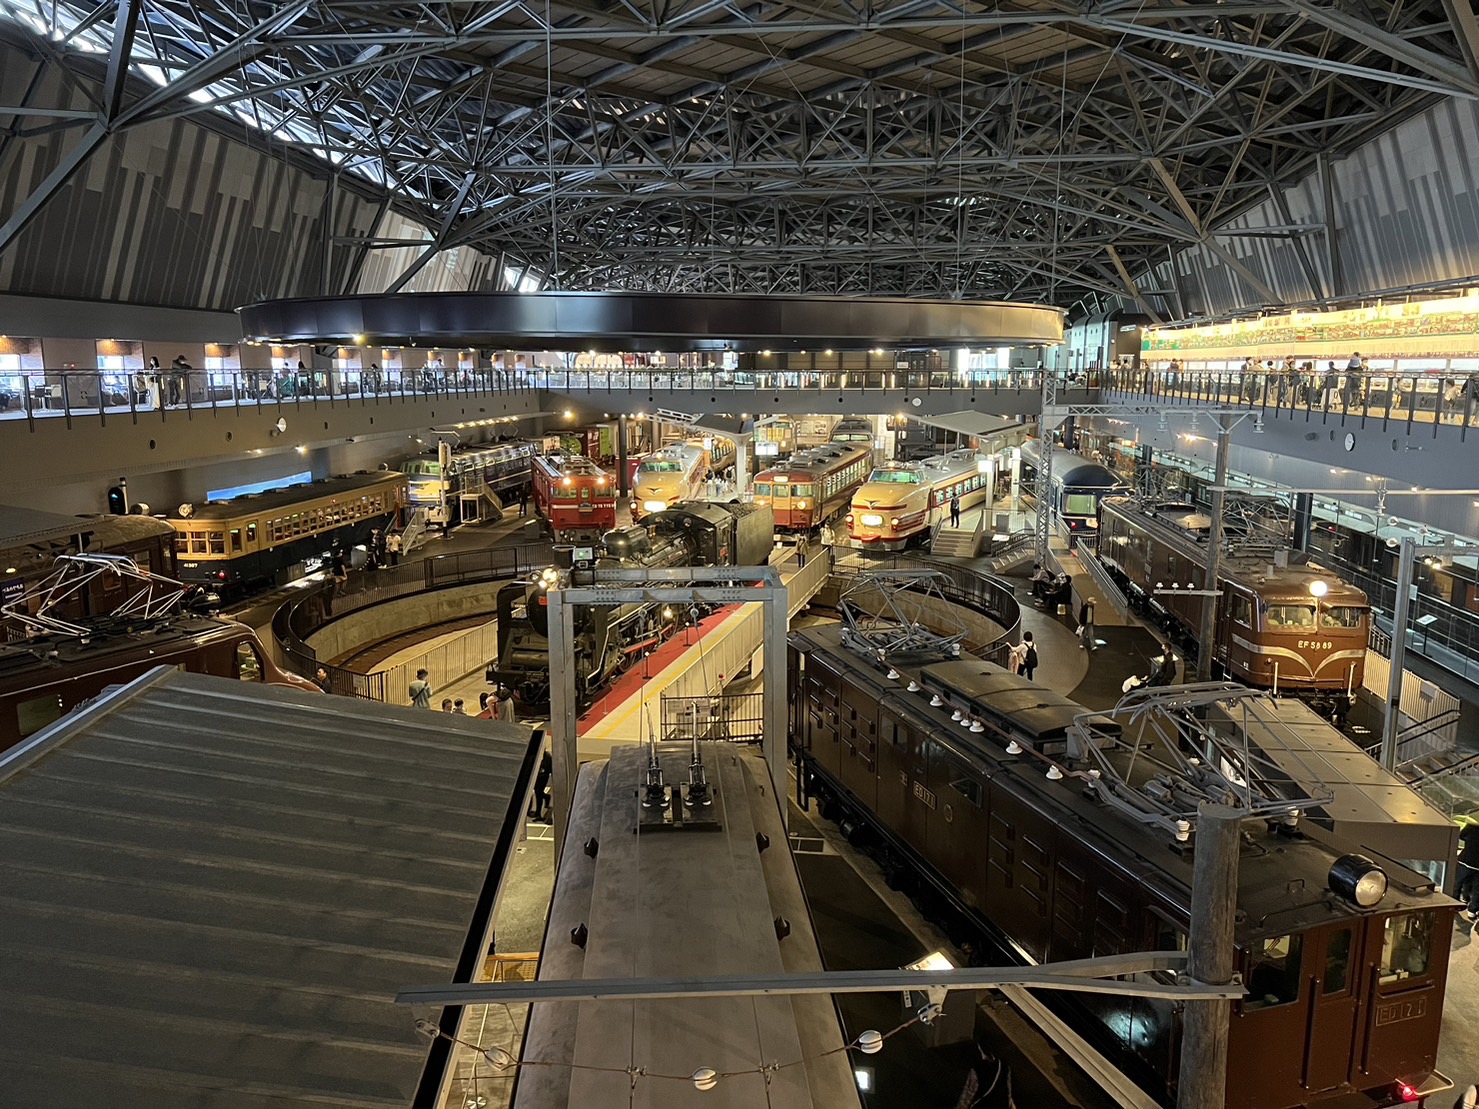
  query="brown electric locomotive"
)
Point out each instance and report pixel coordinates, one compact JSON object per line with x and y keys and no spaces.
{"x":1345,"y":979}
{"x":1281,"y":625}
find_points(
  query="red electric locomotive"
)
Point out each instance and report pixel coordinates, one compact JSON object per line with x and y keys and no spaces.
{"x":574,"y":495}
{"x":812,"y":486}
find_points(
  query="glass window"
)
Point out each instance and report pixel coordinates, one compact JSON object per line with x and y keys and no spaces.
{"x":1274,"y":972}
{"x":1240,"y":608}
{"x":1337,"y":962}
{"x":248,"y":665}
{"x":782,"y":492}
{"x":218,"y":543}
{"x":901,"y":477}
{"x":35,"y":714}
{"x":802,"y":490}
{"x":1291,"y":616}
{"x":1079,"y":504}
{"x":252,"y":532}
{"x":762,"y":489}
{"x":1343,"y":616}
{"x":1405,"y":947}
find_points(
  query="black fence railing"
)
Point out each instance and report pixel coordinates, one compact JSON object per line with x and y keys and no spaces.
{"x":1390,"y":398}
{"x":168,"y":392}
{"x":298,"y":618}
{"x":725,"y":718}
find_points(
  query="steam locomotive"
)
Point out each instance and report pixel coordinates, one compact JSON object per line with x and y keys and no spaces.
{"x":1345,"y":981}
{"x":610,"y":638}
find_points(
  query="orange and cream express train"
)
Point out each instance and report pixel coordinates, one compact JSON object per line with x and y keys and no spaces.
{"x":668,"y":475}
{"x":901,"y":501}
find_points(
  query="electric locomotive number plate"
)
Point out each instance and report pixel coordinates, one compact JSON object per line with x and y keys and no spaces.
{"x":1394,"y":1012}
{"x":924,"y":795}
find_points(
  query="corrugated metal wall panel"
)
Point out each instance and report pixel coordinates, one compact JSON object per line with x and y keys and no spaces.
{"x":170,"y":213}
{"x":1406,"y":213}
{"x":462,"y":269}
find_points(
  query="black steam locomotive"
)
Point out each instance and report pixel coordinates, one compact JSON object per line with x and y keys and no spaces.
{"x":1345,"y":990}
{"x":610,"y":638}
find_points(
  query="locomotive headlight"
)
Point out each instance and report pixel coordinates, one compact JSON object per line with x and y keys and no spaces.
{"x":1318,"y":588}
{"x":567,"y":481}
{"x":800,"y":504}
{"x":653,"y":506}
{"x":1359,"y":880}
{"x":894,"y":522}
{"x":872,"y":520}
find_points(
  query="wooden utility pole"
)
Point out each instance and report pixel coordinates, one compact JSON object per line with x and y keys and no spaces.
{"x":1210,"y":958}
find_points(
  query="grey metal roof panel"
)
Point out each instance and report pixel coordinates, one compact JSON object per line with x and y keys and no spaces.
{"x":213,"y":890}
{"x":22,"y":526}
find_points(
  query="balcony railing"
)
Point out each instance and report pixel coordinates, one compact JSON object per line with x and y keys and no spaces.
{"x":70,"y":394}
{"x":1396,"y":400}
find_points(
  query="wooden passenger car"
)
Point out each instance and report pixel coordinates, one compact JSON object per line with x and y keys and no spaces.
{"x":248,"y":540}
{"x":1271,"y":629}
{"x":812,"y":486}
{"x":1344,"y":1002}
{"x":901,"y":501}
{"x":575,"y":496}
{"x":44,"y":678}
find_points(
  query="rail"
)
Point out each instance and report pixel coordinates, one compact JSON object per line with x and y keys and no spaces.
{"x":1108,"y":587}
{"x":168,"y":392}
{"x":300,"y":616}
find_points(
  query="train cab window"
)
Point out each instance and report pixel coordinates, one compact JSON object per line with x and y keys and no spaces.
{"x":1337,"y":962}
{"x":1079,"y":504}
{"x":252,"y":532}
{"x":218,"y":543}
{"x":1240,"y":608}
{"x":1342,"y":616}
{"x":35,"y":714}
{"x":782,"y":492}
{"x":968,"y":788}
{"x":182,"y":542}
{"x":235,"y":540}
{"x":1405,"y":948}
{"x":803,"y":490}
{"x":248,"y":665}
{"x":197,"y":542}
{"x":1274,"y":972}
{"x":1291,"y":616}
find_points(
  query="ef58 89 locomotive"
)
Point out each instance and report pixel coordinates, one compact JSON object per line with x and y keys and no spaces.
{"x":1287,"y":627}
{"x":610,"y":638}
{"x":1345,"y":980}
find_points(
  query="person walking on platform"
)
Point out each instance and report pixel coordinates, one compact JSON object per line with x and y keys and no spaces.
{"x":502,"y":705}
{"x":955,"y":511}
{"x":1029,"y":656}
{"x":1466,"y":889}
{"x":1086,"y":625}
{"x":393,"y":548}
{"x":420,"y":691}
{"x":524,"y":499}
{"x":540,"y":801}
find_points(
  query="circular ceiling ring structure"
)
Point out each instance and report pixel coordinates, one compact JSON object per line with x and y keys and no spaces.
{"x":619,"y":321}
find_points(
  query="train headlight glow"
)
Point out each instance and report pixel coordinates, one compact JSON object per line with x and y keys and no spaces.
{"x":894,"y":522}
{"x":567,"y":481}
{"x":873,"y":520}
{"x":1359,"y":880}
{"x":800,"y":504}
{"x":1318,"y":588}
{"x":653,"y":506}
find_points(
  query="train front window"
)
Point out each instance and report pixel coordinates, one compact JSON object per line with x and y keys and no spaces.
{"x":1274,"y":972}
{"x":659,"y":468}
{"x":1405,"y":948}
{"x":1079,"y":504}
{"x":1291,"y":616}
{"x":1343,"y":616}
{"x":897,"y":477}
{"x":782,"y":492}
{"x":762,"y":489}
{"x":802,"y":490}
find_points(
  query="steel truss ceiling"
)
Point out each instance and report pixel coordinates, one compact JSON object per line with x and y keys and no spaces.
{"x":1039,"y":149}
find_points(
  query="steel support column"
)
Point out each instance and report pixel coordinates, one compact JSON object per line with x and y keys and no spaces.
{"x":71,"y":162}
{"x":1406,"y":568}
{"x":1208,"y":627}
{"x":1210,"y":957}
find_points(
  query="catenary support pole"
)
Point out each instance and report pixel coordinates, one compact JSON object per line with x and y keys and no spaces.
{"x":1208,"y":627}
{"x":562,"y":718}
{"x":1304,"y":512}
{"x":623,"y":482}
{"x":1214,"y":904}
{"x":776,"y":696}
{"x":1406,"y":567}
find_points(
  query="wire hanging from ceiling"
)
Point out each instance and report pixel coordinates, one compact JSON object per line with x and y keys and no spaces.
{"x":549,"y":142}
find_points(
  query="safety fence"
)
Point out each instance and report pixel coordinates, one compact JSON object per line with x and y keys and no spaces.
{"x":724,"y":718}
{"x":169,"y":392}
{"x":298,"y":618}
